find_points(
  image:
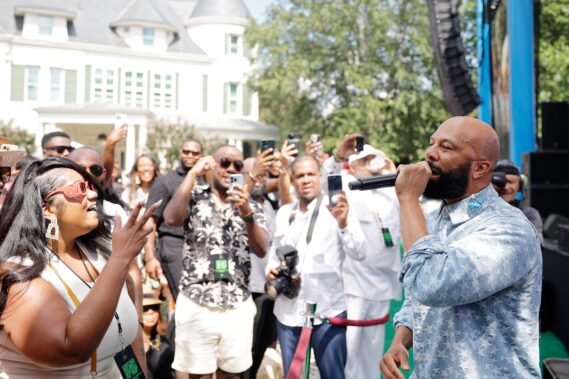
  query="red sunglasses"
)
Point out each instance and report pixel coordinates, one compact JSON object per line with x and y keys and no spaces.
{"x":75,"y":191}
{"x":226,"y":162}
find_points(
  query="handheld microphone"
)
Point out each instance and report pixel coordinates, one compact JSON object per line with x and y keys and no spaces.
{"x":373,"y":182}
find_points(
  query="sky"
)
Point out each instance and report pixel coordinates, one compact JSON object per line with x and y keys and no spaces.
{"x":257,"y":8}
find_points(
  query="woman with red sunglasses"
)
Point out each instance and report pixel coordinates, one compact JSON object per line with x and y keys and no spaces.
{"x":64,"y":306}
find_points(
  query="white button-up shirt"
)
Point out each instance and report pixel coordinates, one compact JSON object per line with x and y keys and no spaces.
{"x":377,"y":276}
{"x":320,"y":262}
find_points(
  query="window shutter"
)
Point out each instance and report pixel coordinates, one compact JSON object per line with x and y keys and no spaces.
{"x":225,"y":96}
{"x":227,"y":43}
{"x":87,"y":83}
{"x":204,"y":93}
{"x":177,"y":90}
{"x":246,"y":100}
{"x":17,"y":91}
{"x":70,"y":86}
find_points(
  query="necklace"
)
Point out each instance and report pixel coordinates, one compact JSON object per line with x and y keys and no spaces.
{"x":82,"y":255}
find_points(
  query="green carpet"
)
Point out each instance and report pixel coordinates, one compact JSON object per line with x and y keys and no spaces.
{"x":549,"y":345}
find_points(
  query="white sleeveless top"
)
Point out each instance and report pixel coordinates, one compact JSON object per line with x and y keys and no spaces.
{"x":15,"y":365}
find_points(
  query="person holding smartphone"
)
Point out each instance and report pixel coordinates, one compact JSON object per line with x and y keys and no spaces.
{"x":222,"y":227}
{"x":371,"y":283}
{"x":323,"y":234}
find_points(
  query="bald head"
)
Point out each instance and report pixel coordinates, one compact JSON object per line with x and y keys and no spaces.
{"x":479,"y":136}
{"x":463,"y":153}
{"x":248,"y":164}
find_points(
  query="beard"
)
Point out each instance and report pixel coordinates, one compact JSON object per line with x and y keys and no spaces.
{"x":450,"y":185}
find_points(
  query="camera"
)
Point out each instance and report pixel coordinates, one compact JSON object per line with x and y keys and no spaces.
{"x":286,"y":281}
{"x":499,"y":178}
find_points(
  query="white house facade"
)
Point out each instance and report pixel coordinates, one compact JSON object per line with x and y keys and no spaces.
{"x":73,"y":65}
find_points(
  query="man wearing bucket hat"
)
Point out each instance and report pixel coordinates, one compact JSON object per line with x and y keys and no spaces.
{"x":370,"y":284}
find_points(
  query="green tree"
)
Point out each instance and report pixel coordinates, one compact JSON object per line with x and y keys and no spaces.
{"x":554,"y":51}
{"x":166,"y":138}
{"x":18,"y":136}
{"x":334,"y":67}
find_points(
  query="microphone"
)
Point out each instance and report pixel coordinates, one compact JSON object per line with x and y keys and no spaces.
{"x":373,"y":182}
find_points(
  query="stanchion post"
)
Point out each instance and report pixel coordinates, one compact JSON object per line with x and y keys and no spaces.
{"x":309,"y":314}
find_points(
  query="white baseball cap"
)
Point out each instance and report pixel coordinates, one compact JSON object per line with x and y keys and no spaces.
{"x":367,"y":151}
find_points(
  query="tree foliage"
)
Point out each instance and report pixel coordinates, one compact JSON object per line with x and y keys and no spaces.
{"x":167,"y":138}
{"x":18,"y":136}
{"x":554,"y":51}
{"x":335,"y":67}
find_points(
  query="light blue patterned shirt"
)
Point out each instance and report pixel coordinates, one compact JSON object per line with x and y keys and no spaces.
{"x":473,"y":290}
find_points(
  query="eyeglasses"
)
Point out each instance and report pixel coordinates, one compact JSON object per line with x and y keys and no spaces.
{"x":5,"y":172}
{"x":190,"y":152}
{"x":226,"y":162}
{"x":95,"y":170}
{"x":61,"y":149}
{"x":75,"y":191}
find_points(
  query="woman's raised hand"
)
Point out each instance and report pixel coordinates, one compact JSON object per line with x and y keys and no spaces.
{"x":128,"y":240}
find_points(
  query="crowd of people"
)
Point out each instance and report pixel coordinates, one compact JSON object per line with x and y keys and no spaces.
{"x":199,"y":271}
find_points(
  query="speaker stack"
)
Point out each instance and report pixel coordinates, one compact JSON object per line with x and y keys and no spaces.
{"x":548,"y":169}
{"x":459,"y":93}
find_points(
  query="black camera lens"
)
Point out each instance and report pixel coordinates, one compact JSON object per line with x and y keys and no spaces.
{"x":274,"y":288}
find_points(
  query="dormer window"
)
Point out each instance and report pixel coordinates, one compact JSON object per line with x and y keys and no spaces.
{"x":45,"y":25}
{"x":45,"y":22}
{"x":148,"y":36}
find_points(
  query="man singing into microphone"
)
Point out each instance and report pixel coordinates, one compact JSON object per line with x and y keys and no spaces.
{"x":471,"y":271}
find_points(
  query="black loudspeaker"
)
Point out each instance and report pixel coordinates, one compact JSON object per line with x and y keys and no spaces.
{"x":551,"y":225}
{"x":548,"y":179}
{"x":555,"y":125}
{"x":459,"y":93}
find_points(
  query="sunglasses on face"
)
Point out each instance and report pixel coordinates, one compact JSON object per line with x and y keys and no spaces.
{"x":61,"y":149}
{"x":75,"y":191}
{"x":95,"y":170}
{"x":5,"y":173}
{"x":226,"y":162}
{"x":155,"y":308}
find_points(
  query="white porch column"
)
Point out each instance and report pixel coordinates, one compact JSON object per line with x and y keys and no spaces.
{"x":142,"y":137}
{"x":130,"y":151}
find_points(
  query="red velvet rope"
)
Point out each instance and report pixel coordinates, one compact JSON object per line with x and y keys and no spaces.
{"x":338,"y":321}
{"x":299,"y":354}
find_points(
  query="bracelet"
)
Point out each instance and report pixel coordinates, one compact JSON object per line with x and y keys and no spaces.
{"x":283,"y":171}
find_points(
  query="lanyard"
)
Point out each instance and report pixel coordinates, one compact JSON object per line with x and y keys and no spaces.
{"x":77,"y":303}
{"x":313,"y":219}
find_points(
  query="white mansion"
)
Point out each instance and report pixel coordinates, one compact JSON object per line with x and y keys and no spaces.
{"x":72,"y":65}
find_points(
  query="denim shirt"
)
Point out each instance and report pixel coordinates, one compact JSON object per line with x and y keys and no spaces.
{"x":473,"y":290}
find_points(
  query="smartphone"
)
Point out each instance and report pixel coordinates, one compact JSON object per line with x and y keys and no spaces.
{"x":315,"y":138}
{"x":236,"y":179}
{"x":267,"y":144}
{"x":334,"y":187}
{"x":120,"y":120}
{"x":294,"y":139}
{"x":359,"y":143}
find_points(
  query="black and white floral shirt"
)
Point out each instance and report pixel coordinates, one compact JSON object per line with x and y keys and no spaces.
{"x":216,"y":261}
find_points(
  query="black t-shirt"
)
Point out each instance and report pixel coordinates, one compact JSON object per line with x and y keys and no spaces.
{"x":160,"y":360}
{"x":164,"y":188}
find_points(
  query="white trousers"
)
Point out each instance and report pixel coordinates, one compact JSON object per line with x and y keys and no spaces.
{"x":365,"y":344}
